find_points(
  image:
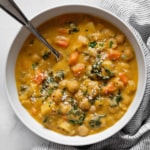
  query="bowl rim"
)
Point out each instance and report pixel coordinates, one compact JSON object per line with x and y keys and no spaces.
{"x":78,"y":141}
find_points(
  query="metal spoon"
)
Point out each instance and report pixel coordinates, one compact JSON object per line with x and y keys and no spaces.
{"x":12,"y":9}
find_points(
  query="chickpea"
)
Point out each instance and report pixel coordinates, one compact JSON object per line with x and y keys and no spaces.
{"x":126,"y":99}
{"x":65,"y":108}
{"x":127,"y":54}
{"x":83,"y":130}
{"x":63,"y":84}
{"x":79,"y":95}
{"x":119,"y":84}
{"x":107,"y":64}
{"x":84,"y":104}
{"x":108,"y":33}
{"x":92,"y":109}
{"x":113,"y":110}
{"x":93,"y":89}
{"x":57,"y":95}
{"x":131,"y":87}
{"x":110,"y":120}
{"x":120,"y":38}
{"x":72,"y":86}
{"x":86,"y":82}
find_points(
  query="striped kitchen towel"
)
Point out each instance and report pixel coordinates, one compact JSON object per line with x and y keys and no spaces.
{"x":136,"y":134}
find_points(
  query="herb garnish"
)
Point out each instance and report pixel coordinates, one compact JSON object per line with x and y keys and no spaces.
{"x":110,"y":44}
{"x":46,"y":55}
{"x":93,"y":44}
{"x":34,"y":65}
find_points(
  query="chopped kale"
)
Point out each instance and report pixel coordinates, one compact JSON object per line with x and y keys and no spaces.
{"x":94,"y":123}
{"x":59,"y":75}
{"x":101,"y":72}
{"x":116,"y":99}
{"x":78,"y":121}
{"x":76,"y":117}
{"x":73,"y":27}
{"x":46,"y":55}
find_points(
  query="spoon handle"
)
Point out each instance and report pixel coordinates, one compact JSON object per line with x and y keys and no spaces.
{"x":12,"y":9}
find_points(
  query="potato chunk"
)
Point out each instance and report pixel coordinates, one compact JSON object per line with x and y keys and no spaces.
{"x":45,"y":109}
{"x":66,"y":127}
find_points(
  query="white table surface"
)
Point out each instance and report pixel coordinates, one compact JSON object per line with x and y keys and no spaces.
{"x":13,"y":134}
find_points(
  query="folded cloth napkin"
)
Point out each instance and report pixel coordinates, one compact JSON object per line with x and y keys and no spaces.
{"x":136,"y":134}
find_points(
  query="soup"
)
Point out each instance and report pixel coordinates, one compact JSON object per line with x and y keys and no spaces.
{"x":93,"y":84}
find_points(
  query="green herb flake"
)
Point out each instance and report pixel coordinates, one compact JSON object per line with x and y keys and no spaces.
{"x":34,"y":65}
{"x":93,"y":44}
{"x":101,"y":44}
{"x":110,"y":44}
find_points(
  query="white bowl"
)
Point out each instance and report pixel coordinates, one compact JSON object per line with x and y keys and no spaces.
{"x":32,"y":124}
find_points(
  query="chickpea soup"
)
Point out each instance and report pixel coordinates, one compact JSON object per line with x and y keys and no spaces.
{"x":93,"y":84}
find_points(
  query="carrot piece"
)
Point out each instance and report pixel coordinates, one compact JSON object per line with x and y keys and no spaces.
{"x":114,"y":55}
{"x":33,"y":111}
{"x":62,"y":41}
{"x":110,"y":88}
{"x":63,"y":31}
{"x":123,"y":78}
{"x":39,"y":78}
{"x":73,"y":58}
{"x":78,"y":69}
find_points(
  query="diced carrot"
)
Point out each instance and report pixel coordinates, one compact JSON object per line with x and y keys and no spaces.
{"x":39,"y":78}
{"x":33,"y":111}
{"x":63,"y":30}
{"x":78,"y":69}
{"x":123,"y":78}
{"x":110,"y":88}
{"x":62,"y":41}
{"x":114,"y":55}
{"x":73,"y":59}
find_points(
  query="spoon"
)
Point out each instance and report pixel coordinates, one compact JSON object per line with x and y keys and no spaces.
{"x":13,"y":10}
